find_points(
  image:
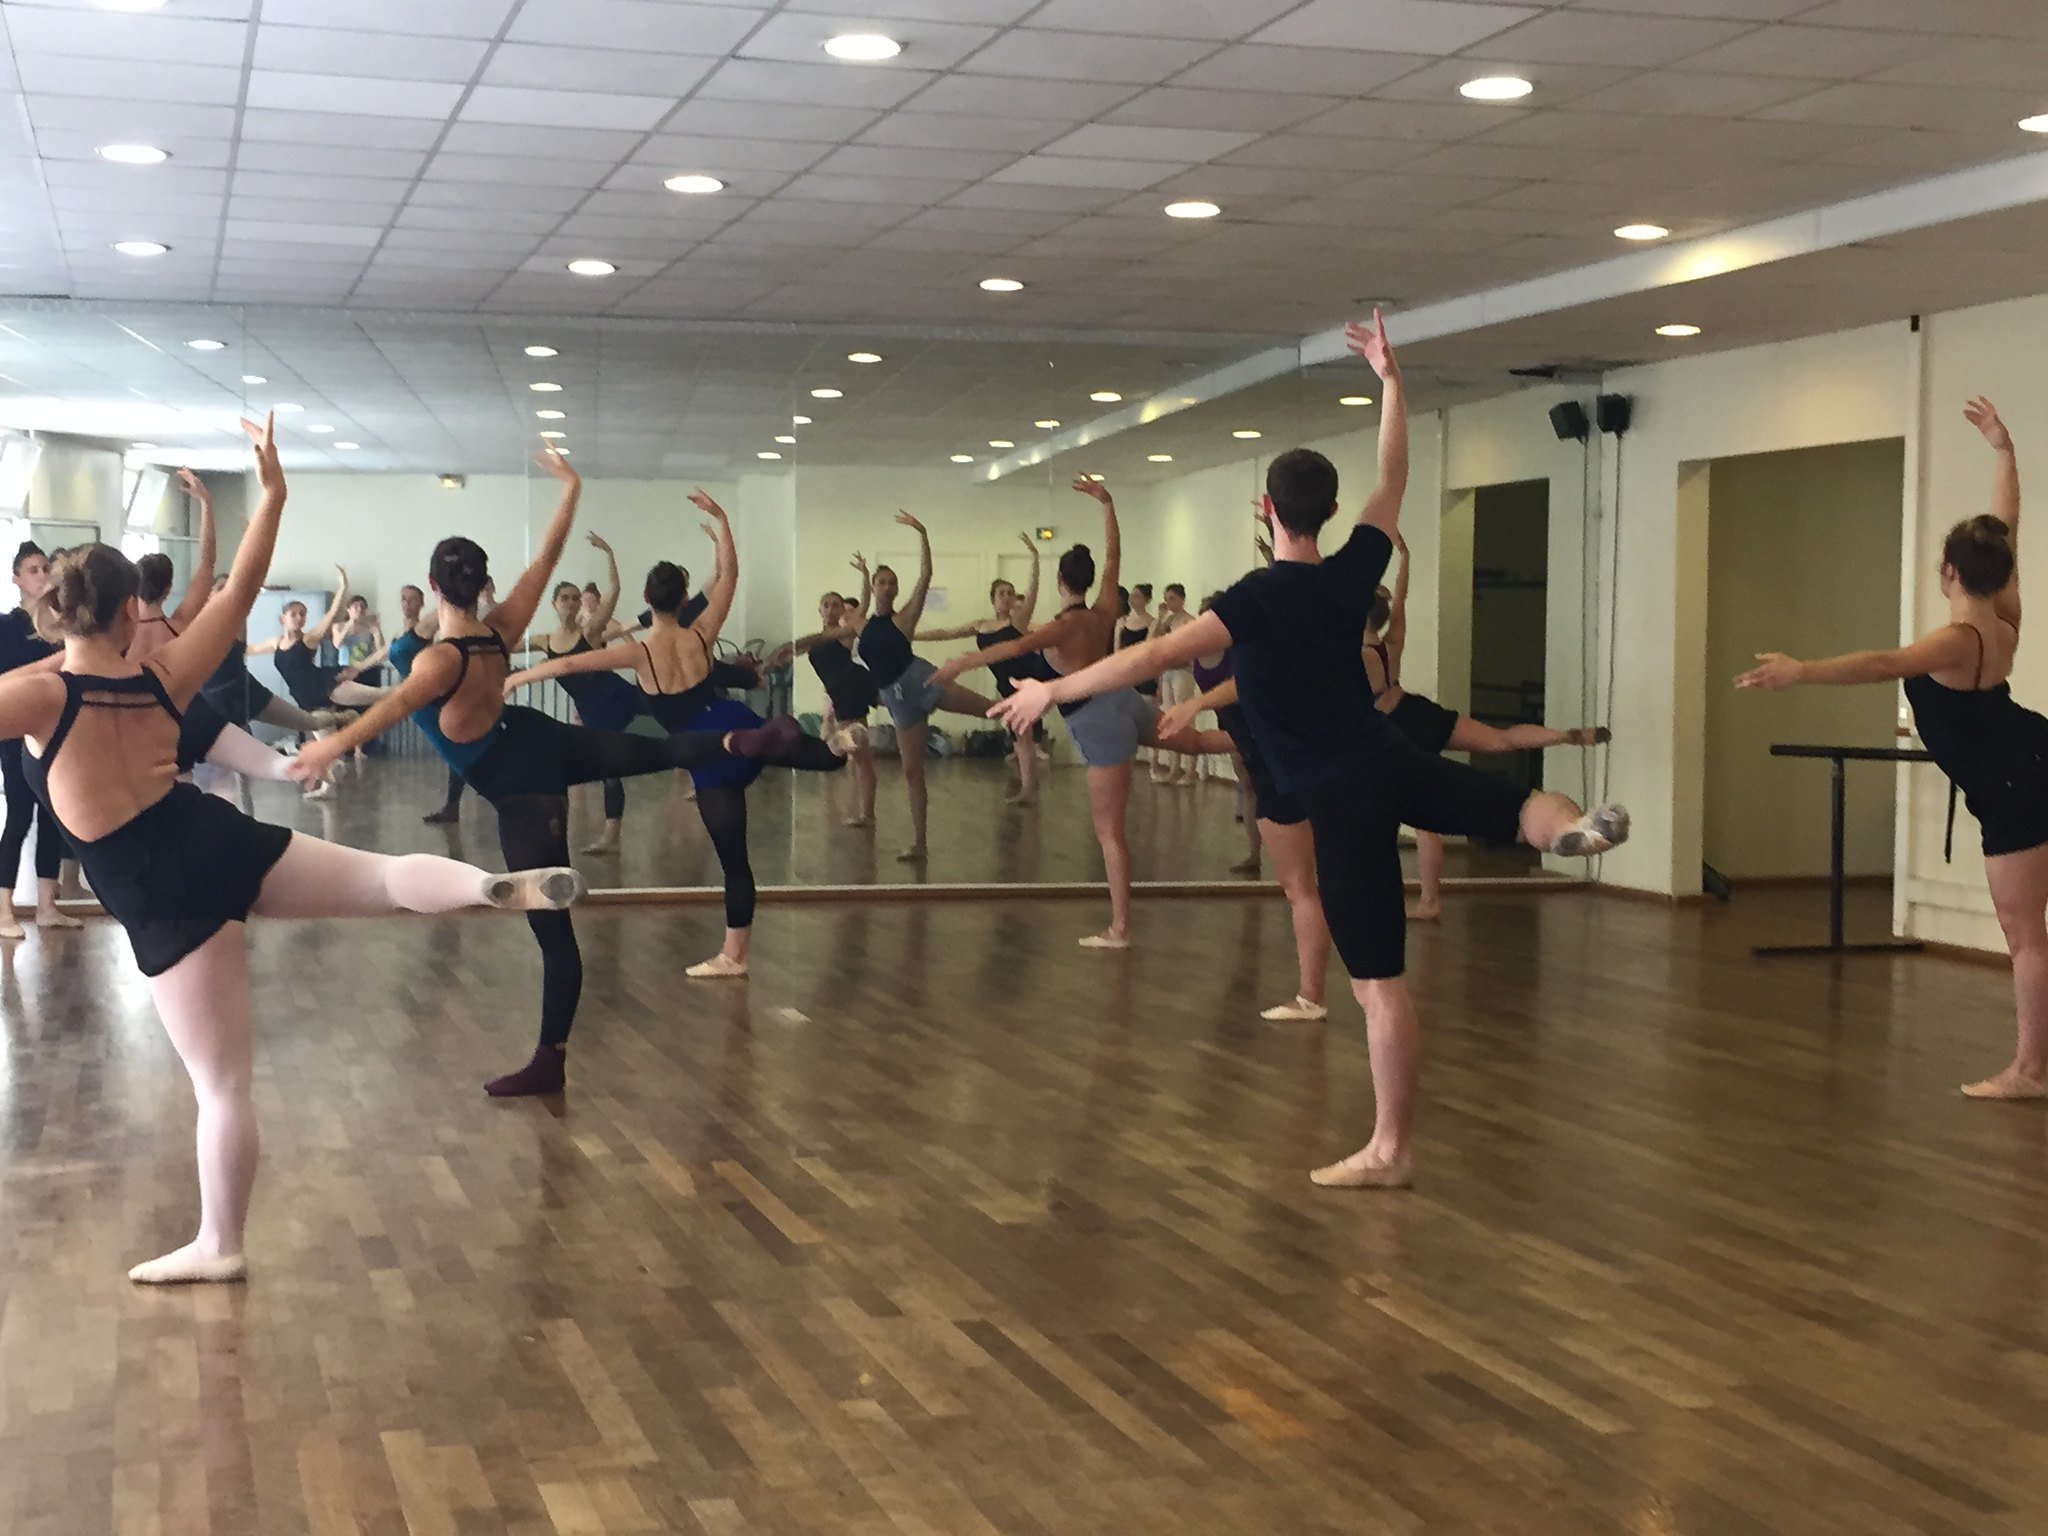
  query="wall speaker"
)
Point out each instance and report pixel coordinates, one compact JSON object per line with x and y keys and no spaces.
{"x":1614,"y":413}
{"x":1568,"y":421}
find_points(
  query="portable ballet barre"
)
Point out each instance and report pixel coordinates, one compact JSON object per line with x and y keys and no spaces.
{"x":1841,"y":757}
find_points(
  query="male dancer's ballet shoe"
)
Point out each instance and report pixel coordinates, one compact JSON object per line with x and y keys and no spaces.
{"x":189,"y":1267}
{"x":1346,"y":1175}
{"x":2011,"y":1086}
{"x":859,"y":821}
{"x":607,"y":840}
{"x":1300,"y":1011}
{"x":10,"y":925}
{"x":916,"y":854}
{"x":548,"y":1072}
{"x":718,"y":968}
{"x":847,"y":739}
{"x":534,"y":890}
{"x":772,"y":736}
{"x":324,"y":790}
{"x":1105,"y":940}
{"x":1248,"y":865}
{"x":1602,"y":828}
{"x":1425,"y":914}
{"x":55,"y":919}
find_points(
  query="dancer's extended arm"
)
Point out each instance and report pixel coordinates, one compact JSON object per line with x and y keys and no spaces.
{"x":201,"y":587}
{"x":911,"y":614}
{"x":725,"y":571}
{"x":606,"y":658}
{"x":1023,"y":620}
{"x":514,"y":613}
{"x":1106,"y":600}
{"x":1947,"y":648}
{"x":1120,"y":669}
{"x":1383,"y":506}
{"x":191,"y":658}
{"x":2005,"y":497}
{"x":334,"y":609}
{"x":598,"y":630}
{"x":1397,"y":618}
{"x":1182,"y":715}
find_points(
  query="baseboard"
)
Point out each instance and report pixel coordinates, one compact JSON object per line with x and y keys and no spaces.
{"x":1964,"y":954}
{"x":1740,"y":883}
{"x":1654,"y":898}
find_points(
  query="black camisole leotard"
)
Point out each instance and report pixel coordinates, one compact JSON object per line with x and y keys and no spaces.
{"x":1993,"y":749}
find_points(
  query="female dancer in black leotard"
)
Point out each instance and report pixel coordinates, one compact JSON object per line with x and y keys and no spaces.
{"x":673,"y":665}
{"x":182,"y":870}
{"x":297,"y":650}
{"x":1994,"y":750}
{"x":1436,"y":729}
{"x":519,"y":759}
{"x":850,"y":688}
{"x":908,"y":685}
{"x":1009,"y":618}
{"x":21,"y":646}
{"x":603,"y":702}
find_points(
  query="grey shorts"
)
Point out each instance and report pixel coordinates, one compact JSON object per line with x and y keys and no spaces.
{"x":1108,"y":728}
{"x":911,"y":699}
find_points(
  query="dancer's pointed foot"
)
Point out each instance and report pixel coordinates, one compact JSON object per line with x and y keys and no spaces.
{"x":1366,"y":1170}
{"x":2011,"y":1086}
{"x":1602,"y":828}
{"x":190,"y":1266}
{"x":1109,"y":938}
{"x":917,"y":853}
{"x":860,"y":821}
{"x":718,"y":968}
{"x":533,"y":890}
{"x":548,"y":1072}
{"x":51,"y":917}
{"x":768,"y":739}
{"x":1020,"y":800}
{"x":1248,"y":865}
{"x":1300,"y":1011}
{"x":10,"y":925}
{"x":1421,"y":914}
{"x":447,"y":816}
{"x":847,"y":739}
{"x":607,"y":840}
{"x":324,"y":790}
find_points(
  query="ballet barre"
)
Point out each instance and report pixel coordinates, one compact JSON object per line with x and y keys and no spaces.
{"x":1841,"y":757}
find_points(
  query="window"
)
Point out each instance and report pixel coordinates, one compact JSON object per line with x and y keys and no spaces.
{"x":145,"y":497}
{"x":18,"y":458}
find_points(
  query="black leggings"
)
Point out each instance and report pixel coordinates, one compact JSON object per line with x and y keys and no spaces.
{"x":454,"y":790}
{"x":614,"y":799}
{"x":22,"y":808}
{"x":724,"y":813}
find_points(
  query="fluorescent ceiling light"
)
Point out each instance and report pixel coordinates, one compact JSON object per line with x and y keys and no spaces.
{"x":545,"y":388}
{"x":1194,"y":208}
{"x":1159,"y":458}
{"x":1641,"y":232}
{"x":348,"y":447}
{"x":542,"y":352}
{"x":1496,"y":88}
{"x":1105,"y":397}
{"x":828,"y":394}
{"x":254,"y":378}
{"x":1046,"y":425}
{"x":863,"y":357}
{"x":784,"y":438}
{"x":140,"y":247}
{"x":550,"y":415}
{"x":1247,"y":432}
{"x":590,"y":266}
{"x":132,"y":154}
{"x":1354,"y":400}
{"x":1000,"y":442}
{"x":766,"y":453}
{"x":963,"y":458}
{"x":862,"y":47}
{"x":1000,"y":285}
{"x":800,"y":421}
{"x":320,"y":427}
{"x":1678,"y":330}
{"x":694,"y":186}
{"x":204,"y":344}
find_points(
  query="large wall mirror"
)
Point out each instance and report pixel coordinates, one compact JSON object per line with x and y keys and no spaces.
{"x":400,"y":430}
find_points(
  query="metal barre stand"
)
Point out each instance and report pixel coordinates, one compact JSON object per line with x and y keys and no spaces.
{"x":1840,"y":757}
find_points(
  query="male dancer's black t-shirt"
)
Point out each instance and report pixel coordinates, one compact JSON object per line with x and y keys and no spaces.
{"x":1296,"y":633}
{"x":19,"y":642}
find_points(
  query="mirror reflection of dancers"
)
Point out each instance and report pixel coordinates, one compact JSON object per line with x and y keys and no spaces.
{"x":181,"y":870}
{"x":21,"y":647}
{"x":1293,"y":630}
{"x":1008,"y":619}
{"x":910,"y":687}
{"x":1107,"y":730}
{"x":603,"y":701}
{"x":297,"y":651}
{"x":850,"y":690}
{"x":1213,"y":691}
{"x":1176,"y":686}
{"x":1958,"y":680}
{"x":1134,"y":627}
{"x":1436,"y":729}
{"x":520,"y":760}
{"x":673,"y":664}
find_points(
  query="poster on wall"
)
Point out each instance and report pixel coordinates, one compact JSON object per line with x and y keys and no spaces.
{"x":935,"y":600}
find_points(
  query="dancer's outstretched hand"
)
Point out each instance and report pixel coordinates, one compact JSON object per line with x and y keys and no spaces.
{"x":859,"y":563}
{"x":597,"y":542}
{"x":1772,"y":671}
{"x":1092,"y":487}
{"x":314,"y":763}
{"x":949,"y":671}
{"x":269,"y":472}
{"x":1179,"y":717}
{"x":1024,"y":708}
{"x":1029,"y":543}
{"x":701,"y":500}
{"x":1370,"y":342}
{"x":195,"y":487}
{"x":1983,"y":415}
{"x":909,"y":522}
{"x":551,"y":459}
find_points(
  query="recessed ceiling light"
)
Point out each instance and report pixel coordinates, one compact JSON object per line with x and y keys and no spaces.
{"x":784,"y":437}
{"x":1000,"y":442}
{"x":863,"y":357}
{"x":1105,"y":397}
{"x":133,"y":154}
{"x":254,"y":378}
{"x":1678,"y":330}
{"x":1046,"y":425}
{"x":1096,"y":478}
{"x":542,"y":352}
{"x":205,"y":345}
{"x":1641,"y":232}
{"x":590,"y":266}
{"x":1496,"y":88}
{"x":140,"y":247}
{"x":287,"y":408}
{"x":1247,"y":432}
{"x":695,"y":186}
{"x":348,"y":447}
{"x":1159,"y":458}
{"x":1195,"y":208}
{"x":828,"y":394}
{"x":963,"y":458}
{"x":545,"y":388}
{"x":1000,"y":285}
{"x":799,"y":421}
{"x":2035,"y":124}
{"x":550,"y":415}
{"x":862,"y":47}
{"x":1354,"y":399}
{"x":320,"y":427}
{"x":551,"y":435}
{"x":767,"y":453}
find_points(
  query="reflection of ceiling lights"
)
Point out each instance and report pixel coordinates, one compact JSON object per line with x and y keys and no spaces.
{"x":828,"y":394}
{"x":590,"y":266}
{"x":1247,"y":432}
{"x":963,"y":458}
{"x":551,"y":415}
{"x":542,"y":352}
{"x":1159,"y":458}
{"x":1105,"y":397}
{"x":862,"y":47}
{"x":2035,"y":124}
{"x":140,"y":247}
{"x":1678,"y":330}
{"x":1046,"y":425}
{"x":1000,"y":285}
{"x":784,"y":438}
{"x":1000,"y":442}
{"x":1354,"y":400}
{"x":320,"y":427}
{"x":1641,"y":232}
{"x":348,"y":447}
{"x":545,"y":388}
{"x":799,"y":421}
{"x":203,"y":344}
{"x":132,"y":154}
{"x":1496,"y":88}
{"x":552,"y":435}
{"x":694,"y":186}
{"x":1194,"y":208}
{"x":863,"y":357}
{"x":767,"y":453}
{"x":254,"y":378}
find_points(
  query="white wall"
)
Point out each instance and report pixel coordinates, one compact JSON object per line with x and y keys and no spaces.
{"x":77,"y":482}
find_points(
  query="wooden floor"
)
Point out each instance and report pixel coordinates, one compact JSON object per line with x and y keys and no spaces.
{"x":796,"y":836}
{"x":942,"y":1226}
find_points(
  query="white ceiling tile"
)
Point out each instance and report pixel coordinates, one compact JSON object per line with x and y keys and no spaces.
{"x":470,"y":194}
{"x":1032,"y":197}
{"x":511,"y":168}
{"x":1682,"y":93}
{"x":1906,"y":106}
{"x":1221,"y":20}
{"x":1996,"y":64}
{"x":2025,"y":19}
{"x":158,"y":185}
{"x":602,"y":146}
{"x":1322,"y":71}
{"x":1727,"y":10}
{"x":799,"y":37}
{"x":442,"y":18}
{"x":1818,"y":53}
{"x":122,"y":120}
{"x":163,"y":39}
{"x":325,"y":159}
{"x":66,"y":75}
{"x":568,"y":109}
{"x":882,"y":160}
{"x":562,"y":68}
{"x":344,"y":130}
{"x":657,"y":26}
{"x":328,"y":51}
{"x":1392,"y":26}
{"x":1057,"y":171}
{"x":1173,"y":106}
{"x":827,"y":85}
{"x":304,"y":210}
{"x":998,"y":96}
{"x":1408,"y":120}
{"x":752,"y":120}
{"x":255,"y":183}
{"x":667,"y":155}
{"x":1585,"y":37}
{"x":1019,"y":223}
{"x":496,"y":220}
{"x":71,"y":144}
{"x":1081,"y":56}
{"x":1188,"y":146}
{"x":283,"y":92}
{"x":836,"y":187}
{"x":308,"y":234}
{"x":1557,"y":85}
{"x":932,"y":130}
